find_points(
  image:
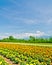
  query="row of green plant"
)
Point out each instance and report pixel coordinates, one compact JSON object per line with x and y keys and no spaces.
{"x":31,"y":39}
{"x":2,"y":61}
{"x":24,"y":58}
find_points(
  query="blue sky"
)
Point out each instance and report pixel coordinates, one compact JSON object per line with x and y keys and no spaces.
{"x":23,"y":18}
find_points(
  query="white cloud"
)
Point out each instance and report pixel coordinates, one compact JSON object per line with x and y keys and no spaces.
{"x":23,"y":35}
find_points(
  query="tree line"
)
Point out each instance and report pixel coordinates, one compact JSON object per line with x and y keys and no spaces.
{"x":30,"y":40}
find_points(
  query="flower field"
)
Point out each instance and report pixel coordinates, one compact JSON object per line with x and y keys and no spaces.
{"x":26,"y":54}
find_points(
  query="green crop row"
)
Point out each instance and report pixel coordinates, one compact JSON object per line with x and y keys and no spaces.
{"x":2,"y":61}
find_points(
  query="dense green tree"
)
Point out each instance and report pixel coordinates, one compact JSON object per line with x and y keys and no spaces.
{"x":30,"y":40}
{"x":50,"y":39}
{"x":11,"y":38}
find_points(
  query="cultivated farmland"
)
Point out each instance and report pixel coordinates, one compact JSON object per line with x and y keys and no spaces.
{"x":25,"y":54}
